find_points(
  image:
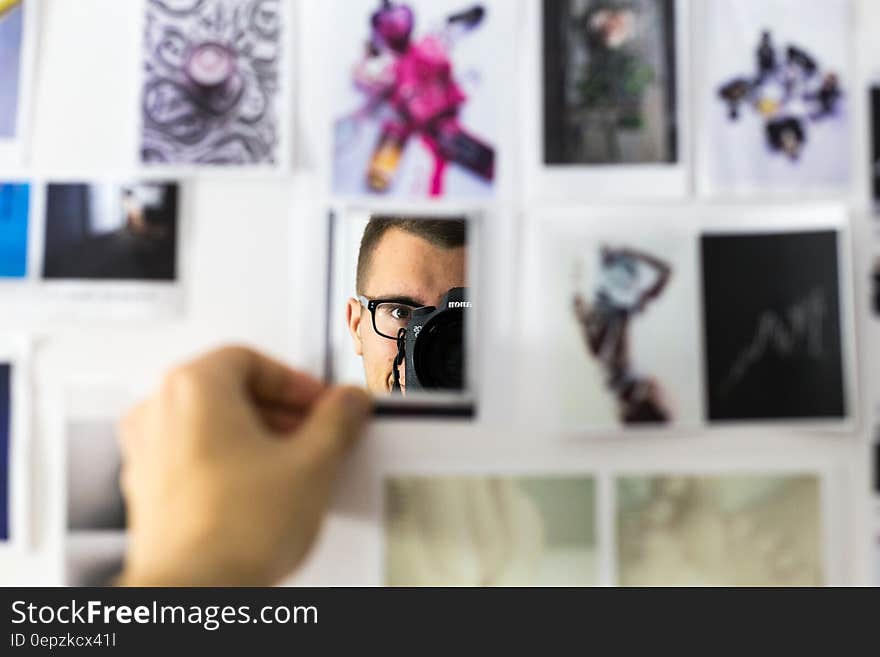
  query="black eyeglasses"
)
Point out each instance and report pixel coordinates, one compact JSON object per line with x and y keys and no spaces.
{"x":389,"y":315}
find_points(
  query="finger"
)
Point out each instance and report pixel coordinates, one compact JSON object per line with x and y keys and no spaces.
{"x":265,"y":378}
{"x":128,"y":427}
{"x":335,"y":423}
{"x":280,"y":419}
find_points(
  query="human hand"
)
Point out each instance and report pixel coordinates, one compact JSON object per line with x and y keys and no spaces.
{"x":228,"y":470}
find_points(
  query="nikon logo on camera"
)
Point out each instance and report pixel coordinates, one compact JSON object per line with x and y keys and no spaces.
{"x":459,"y":304}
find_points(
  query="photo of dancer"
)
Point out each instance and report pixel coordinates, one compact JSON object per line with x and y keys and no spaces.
{"x":619,"y":349}
{"x":414,"y":108}
{"x":629,"y":281}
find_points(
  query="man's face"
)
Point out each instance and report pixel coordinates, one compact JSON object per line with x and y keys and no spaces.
{"x":408,"y":269}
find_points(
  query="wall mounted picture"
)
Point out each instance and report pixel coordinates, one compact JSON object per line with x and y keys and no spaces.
{"x":490,"y":531}
{"x":18,"y":32}
{"x":5,"y":435}
{"x":14,"y":464}
{"x":874,"y":165}
{"x":401,"y":306}
{"x":778,"y":96}
{"x":95,"y":507}
{"x":617,"y":349}
{"x":14,"y":220}
{"x":111,"y":231}
{"x":214,"y":84}
{"x":720,"y":530}
{"x":773,"y":322}
{"x":609,"y":82}
{"x":11,"y":46}
{"x":417,"y":91}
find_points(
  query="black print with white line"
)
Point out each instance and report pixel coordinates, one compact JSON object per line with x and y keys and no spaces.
{"x":773,"y":343}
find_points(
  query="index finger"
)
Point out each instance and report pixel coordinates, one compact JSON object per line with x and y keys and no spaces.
{"x":265,"y":379}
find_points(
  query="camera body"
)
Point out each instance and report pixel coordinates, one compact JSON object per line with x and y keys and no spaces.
{"x":434,"y":344}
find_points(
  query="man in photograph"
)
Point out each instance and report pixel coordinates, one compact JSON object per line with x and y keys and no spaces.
{"x":403,"y":264}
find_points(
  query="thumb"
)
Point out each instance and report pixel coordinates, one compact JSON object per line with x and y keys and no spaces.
{"x":337,"y":420}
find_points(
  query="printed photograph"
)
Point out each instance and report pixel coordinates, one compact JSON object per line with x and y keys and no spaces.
{"x":14,"y":213}
{"x":877,"y":552}
{"x":725,"y":530}
{"x":780,"y":112}
{"x":111,"y":231}
{"x":212,"y":83}
{"x":95,"y":507}
{"x":5,"y":439}
{"x":11,"y":44}
{"x":773,"y":326}
{"x":875,"y":286}
{"x":415,"y":97}
{"x":490,"y":531}
{"x":399,"y":303}
{"x":875,"y":147}
{"x":618,"y":348}
{"x":609,"y":82}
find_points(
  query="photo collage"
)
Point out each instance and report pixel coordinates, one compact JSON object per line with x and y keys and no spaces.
{"x":580,"y":233}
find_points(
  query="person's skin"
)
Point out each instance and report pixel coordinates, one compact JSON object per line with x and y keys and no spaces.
{"x":228,"y":469}
{"x":409,"y":269}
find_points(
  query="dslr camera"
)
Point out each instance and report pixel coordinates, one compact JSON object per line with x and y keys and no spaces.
{"x":432,"y":346}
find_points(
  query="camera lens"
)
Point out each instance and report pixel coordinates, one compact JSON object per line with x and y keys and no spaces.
{"x":438,"y":356}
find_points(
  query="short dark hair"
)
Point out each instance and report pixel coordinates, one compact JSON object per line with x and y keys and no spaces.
{"x":445,"y":233}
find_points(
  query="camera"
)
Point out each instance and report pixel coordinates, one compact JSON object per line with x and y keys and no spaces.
{"x":434,"y":344}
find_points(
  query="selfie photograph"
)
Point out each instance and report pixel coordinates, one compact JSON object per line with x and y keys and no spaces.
{"x":400,"y":307}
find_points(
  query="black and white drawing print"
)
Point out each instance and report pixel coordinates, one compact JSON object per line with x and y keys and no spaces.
{"x":773,"y":326}
{"x":211,"y":89}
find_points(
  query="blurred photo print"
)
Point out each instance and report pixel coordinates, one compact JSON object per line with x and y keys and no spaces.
{"x":212,"y":88}
{"x":778,"y":96}
{"x":19,"y":31}
{"x":95,"y":507}
{"x":5,"y":448}
{"x":490,"y":531}
{"x":12,"y":37}
{"x":15,"y":481}
{"x":719,"y":530}
{"x":416,"y":88}
{"x":874,"y":182}
{"x":619,"y":350}
{"x":400,"y":306}
{"x":774,"y":329}
{"x":112,"y":232}
{"x":14,"y":214}
{"x":609,"y":82}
